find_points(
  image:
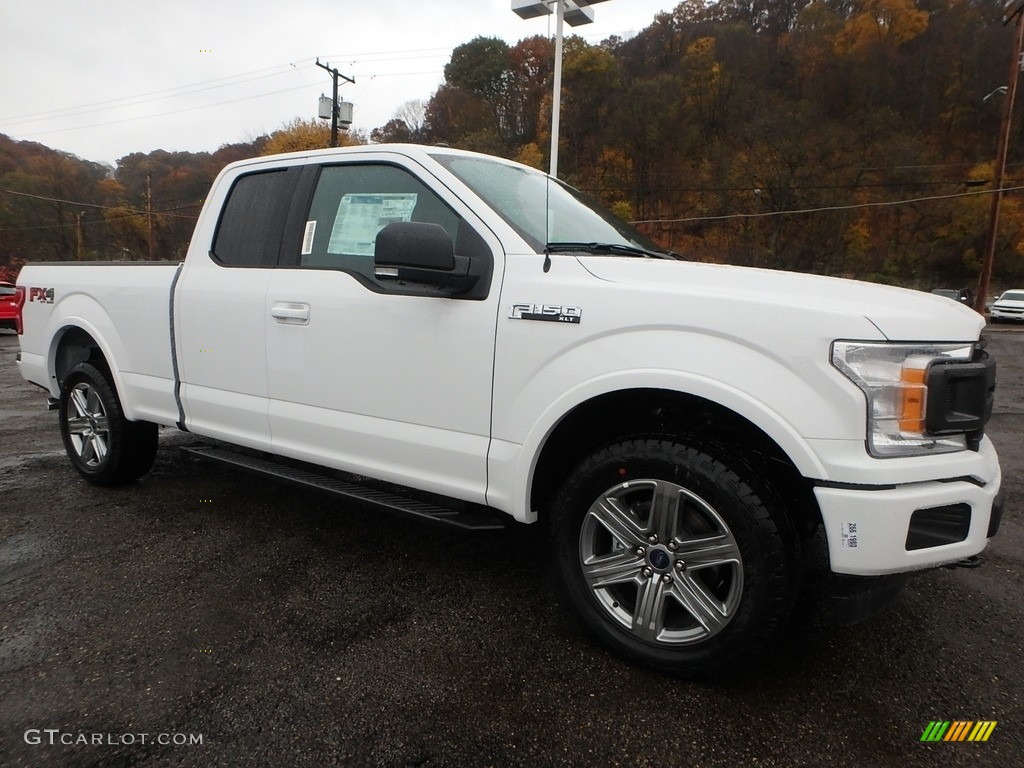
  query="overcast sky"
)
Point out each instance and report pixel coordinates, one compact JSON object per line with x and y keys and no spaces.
{"x":104,"y":78}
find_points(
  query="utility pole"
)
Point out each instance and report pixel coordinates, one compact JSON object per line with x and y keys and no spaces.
{"x":149,"y":214}
{"x":78,"y":252}
{"x":989,"y":256}
{"x":335,"y":74}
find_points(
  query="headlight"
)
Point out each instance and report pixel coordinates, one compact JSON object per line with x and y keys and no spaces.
{"x":894,"y":378}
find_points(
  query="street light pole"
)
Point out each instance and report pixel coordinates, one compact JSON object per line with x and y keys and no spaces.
{"x":556,"y":97}
{"x":576,"y":12}
{"x":989,"y":256}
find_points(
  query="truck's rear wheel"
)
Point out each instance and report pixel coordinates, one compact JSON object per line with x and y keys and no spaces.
{"x":672,"y":558}
{"x":102,"y":444}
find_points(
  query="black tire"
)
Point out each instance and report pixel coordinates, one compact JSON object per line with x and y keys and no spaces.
{"x":716,"y":583}
{"x":102,"y":444}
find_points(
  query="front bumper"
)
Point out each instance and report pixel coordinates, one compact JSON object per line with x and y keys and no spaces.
{"x":869,"y":529}
{"x":1015,"y":315}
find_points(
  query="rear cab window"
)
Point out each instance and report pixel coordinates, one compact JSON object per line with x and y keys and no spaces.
{"x":252,"y":222}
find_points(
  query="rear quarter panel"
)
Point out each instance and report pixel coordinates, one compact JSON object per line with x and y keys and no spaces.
{"x":124,"y":308}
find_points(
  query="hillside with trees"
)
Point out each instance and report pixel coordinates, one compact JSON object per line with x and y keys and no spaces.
{"x":844,"y":137}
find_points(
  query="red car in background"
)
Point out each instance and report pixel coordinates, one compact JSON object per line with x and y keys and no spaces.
{"x":8,"y":306}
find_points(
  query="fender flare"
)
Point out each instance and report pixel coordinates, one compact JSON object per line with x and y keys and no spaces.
{"x":769,"y":421}
{"x":60,"y":325}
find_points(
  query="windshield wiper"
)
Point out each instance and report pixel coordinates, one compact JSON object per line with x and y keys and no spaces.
{"x":616,"y":248}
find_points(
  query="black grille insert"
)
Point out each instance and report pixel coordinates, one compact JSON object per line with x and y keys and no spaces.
{"x":960,"y":397}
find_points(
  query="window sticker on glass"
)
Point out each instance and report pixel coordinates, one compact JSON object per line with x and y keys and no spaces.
{"x":360,"y":217}
{"x":307,"y":238}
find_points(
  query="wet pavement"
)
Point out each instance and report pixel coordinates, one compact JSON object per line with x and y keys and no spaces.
{"x":204,"y":617}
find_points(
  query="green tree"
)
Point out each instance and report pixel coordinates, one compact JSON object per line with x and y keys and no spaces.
{"x":481,"y":67}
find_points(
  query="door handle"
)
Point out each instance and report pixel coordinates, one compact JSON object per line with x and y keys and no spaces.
{"x":290,"y":313}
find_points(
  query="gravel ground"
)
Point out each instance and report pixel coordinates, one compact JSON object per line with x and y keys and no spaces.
{"x":202,"y":604}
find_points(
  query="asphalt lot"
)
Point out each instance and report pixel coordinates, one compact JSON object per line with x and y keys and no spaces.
{"x":283,"y":631}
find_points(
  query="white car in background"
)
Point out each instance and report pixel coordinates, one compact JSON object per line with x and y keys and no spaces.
{"x":1008,"y":307}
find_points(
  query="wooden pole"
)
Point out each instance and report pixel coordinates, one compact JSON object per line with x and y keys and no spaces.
{"x":1000,"y":169}
{"x":149,"y":215}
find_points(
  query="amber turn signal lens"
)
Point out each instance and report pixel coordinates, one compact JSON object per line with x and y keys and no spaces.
{"x":913,"y":396}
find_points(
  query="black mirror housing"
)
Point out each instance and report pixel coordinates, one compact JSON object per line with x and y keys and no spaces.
{"x":416,"y":245}
{"x":417,"y":252}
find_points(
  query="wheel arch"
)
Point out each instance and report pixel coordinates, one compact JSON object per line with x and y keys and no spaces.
{"x":76,"y":342}
{"x":613,"y":415}
{"x":80,"y":328}
{"x":72,"y":345}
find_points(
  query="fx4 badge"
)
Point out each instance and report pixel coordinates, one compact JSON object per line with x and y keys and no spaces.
{"x":41,"y":295}
{"x":554,"y":313}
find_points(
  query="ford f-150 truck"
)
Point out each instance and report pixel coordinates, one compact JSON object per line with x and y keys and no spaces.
{"x":483,"y":336}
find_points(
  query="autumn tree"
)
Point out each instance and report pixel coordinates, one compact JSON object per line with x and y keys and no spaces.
{"x":300,"y":134}
{"x":848,"y":137}
{"x":407,"y":126}
{"x":454,"y":113}
{"x":44,"y":192}
{"x":530,"y":68}
{"x":590,"y":82}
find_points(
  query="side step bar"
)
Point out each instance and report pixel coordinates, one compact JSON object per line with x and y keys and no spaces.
{"x":470,"y":520}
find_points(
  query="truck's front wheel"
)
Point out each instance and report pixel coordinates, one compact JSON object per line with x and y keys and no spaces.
{"x":102,"y":444}
{"x":672,"y":557}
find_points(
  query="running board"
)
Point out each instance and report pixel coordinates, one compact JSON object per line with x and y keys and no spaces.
{"x":470,"y":520}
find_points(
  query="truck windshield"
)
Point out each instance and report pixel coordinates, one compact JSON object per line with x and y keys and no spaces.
{"x":541,"y":209}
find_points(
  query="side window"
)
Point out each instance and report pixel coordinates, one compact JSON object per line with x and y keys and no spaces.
{"x":352,"y":203}
{"x":251,"y":225}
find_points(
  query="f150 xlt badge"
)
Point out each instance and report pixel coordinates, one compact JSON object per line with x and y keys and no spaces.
{"x":554,"y":313}
{"x":41,"y":295}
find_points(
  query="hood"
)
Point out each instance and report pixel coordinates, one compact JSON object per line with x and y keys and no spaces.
{"x":898,"y":313}
{"x":1009,"y":303}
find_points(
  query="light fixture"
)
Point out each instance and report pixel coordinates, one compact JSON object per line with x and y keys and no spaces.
{"x":576,"y":13}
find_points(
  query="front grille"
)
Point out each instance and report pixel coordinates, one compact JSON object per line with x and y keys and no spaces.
{"x":960,"y":396}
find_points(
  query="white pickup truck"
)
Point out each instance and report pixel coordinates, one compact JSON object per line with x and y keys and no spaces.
{"x":482,"y":335}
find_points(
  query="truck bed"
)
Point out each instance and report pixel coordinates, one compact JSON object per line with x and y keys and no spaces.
{"x":125,"y":305}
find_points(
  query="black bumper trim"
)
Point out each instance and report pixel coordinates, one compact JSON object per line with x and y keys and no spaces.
{"x":997,"y":515}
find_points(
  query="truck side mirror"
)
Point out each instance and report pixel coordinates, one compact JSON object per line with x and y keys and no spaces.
{"x":416,"y":245}
{"x":417,"y":252}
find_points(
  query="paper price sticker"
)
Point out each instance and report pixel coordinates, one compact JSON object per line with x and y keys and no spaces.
{"x":848,"y":535}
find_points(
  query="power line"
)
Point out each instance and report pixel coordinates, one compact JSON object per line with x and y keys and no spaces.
{"x":766,"y":214}
{"x":368,"y":54}
{"x":215,"y":83}
{"x":352,"y":60}
{"x":142,"y":98}
{"x":723,"y":217}
{"x":750,"y":188}
{"x":74,"y":224}
{"x":404,"y":74}
{"x":59,"y":200}
{"x":171,"y":112}
{"x":80,"y":204}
